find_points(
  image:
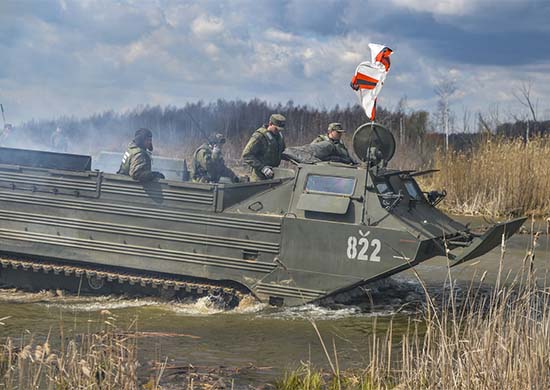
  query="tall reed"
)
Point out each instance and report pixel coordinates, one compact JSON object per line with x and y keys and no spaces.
{"x":499,"y":177}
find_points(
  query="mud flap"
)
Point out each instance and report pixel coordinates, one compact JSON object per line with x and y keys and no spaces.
{"x":489,"y":240}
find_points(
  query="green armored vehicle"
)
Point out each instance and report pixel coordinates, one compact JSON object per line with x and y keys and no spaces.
{"x":310,"y":233}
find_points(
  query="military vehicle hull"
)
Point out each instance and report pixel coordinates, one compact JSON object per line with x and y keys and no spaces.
{"x":301,"y":237}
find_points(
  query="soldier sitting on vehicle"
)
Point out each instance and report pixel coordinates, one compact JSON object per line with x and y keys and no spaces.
{"x":136,"y":161}
{"x":265,"y":148}
{"x":208,"y":165}
{"x":329,"y":147}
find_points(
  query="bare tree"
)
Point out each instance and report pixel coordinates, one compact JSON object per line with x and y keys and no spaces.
{"x":524,"y":98}
{"x":445,"y":90}
{"x":401,"y":112}
{"x":466,"y":119}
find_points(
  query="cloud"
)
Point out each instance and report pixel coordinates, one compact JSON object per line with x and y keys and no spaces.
{"x":204,"y":26}
{"x":438,"y":7}
{"x":75,"y":57}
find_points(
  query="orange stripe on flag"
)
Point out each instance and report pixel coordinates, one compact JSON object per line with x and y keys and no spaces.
{"x":384,"y":57}
{"x":366,"y":86}
{"x":362,"y":76}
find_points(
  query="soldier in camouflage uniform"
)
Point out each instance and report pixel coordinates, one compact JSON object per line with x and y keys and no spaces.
{"x":58,"y":141}
{"x":208,"y":165}
{"x":136,"y":161}
{"x":330,"y":145}
{"x":6,"y":136}
{"x":265,"y":148}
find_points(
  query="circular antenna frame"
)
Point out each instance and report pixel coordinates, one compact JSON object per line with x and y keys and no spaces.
{"x":370,"y":135}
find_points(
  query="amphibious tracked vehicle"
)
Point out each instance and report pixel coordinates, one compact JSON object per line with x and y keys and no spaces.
{"x":314,"y":231}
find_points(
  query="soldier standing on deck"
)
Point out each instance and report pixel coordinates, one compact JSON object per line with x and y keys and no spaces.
{"x":331,"y":147}
{"x":208,"y":165}
{"x":58,"y":141}
{"x":136,"y":161}
{"x":265,"y":148}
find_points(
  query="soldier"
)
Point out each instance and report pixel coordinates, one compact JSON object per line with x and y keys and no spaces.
{"x":330,"y":145}
{"x":58,"y":141}
{"x":136,"y":161}
{"x":208,"y":165}
{"x":265,"y":148}
{"x":6,"y":135}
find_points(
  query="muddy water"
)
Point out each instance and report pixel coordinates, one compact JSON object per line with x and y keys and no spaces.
{"x":254,"y":344}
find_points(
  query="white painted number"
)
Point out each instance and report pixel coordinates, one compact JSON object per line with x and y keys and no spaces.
{"x":362,"y":253}
{"x":364,"y":244}
{"x":352,"y":247}
{"x":377,"y":246}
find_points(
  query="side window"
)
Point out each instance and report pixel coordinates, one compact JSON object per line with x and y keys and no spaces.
{"x":383,"y":187}
{"x":330,"y":185}
{"x":412,"y":190}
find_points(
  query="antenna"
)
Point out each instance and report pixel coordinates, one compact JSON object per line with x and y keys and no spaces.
{"x":198,"y":126}
{"x":3,"y":115}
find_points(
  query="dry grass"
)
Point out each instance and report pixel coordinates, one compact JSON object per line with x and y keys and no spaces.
{"x":500,"y":177}
{"x":496,"y":340}
{"x":106,"y":359}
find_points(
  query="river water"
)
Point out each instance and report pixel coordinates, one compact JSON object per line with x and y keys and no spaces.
{"x":254,"y":344}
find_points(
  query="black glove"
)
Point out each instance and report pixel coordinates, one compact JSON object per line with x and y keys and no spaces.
{"x":267,"y":171}
{"x":354,"y":86}
{"x":236,"y":179}
{"x":158,"y":175}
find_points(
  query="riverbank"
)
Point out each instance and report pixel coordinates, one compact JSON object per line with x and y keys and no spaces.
{"x":460,"y":339}
{"x":256,"y":346}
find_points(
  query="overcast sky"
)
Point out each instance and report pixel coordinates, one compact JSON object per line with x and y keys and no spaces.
{"x":62,"y":57}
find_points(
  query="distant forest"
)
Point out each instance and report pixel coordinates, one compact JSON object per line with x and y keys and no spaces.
{"x":179,"y":130}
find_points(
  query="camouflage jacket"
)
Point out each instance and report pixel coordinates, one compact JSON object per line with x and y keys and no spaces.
{"x":6,"y":139}
{"x":59,"y":142}
{"x":331,"y":150}
{"x":263,"y":149}
{"x":136,"y":163}
{"x":207,"y":167}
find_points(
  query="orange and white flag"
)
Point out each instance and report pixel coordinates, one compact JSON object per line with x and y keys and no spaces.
{"x":370,"y":76}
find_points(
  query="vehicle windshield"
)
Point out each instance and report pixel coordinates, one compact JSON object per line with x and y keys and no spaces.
{"x":330,"y":184}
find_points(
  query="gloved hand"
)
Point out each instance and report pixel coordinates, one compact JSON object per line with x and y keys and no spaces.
{"x":158,"y":175}
{"x":267,"y":172}
{"x":216,"y":152}
{"x":354,"y":86}
{"x":236,"y":179}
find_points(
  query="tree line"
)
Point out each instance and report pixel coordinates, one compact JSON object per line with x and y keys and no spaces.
{"x":179,"y":130}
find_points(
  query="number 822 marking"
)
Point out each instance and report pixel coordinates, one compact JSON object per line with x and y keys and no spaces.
{"x":359,"y":249}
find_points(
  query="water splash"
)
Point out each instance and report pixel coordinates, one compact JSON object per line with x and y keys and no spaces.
{"x":98,"y":304}
{"x":311,"y":312}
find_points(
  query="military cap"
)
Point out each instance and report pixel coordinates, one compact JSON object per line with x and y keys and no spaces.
{"x":335,"y":126}
{"x":218,"y":139}
{"x":278,"y":120}
{"x":141,"y":135}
